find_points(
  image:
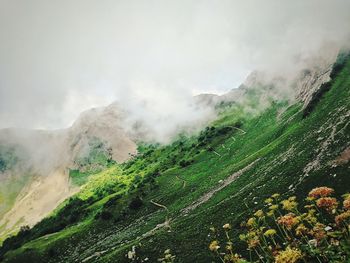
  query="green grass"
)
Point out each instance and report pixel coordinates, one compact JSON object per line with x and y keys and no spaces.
{"x":90,"y":161}
{"x":116,"y":208}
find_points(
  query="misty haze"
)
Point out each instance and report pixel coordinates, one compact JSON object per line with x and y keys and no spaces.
{"x":174,"y":131}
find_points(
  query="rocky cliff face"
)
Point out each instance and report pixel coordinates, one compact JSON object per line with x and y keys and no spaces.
{"x":106,"y":124}
{"x":300,"y":87}
{"x":46,"y":156}
{"x":312,"y":77}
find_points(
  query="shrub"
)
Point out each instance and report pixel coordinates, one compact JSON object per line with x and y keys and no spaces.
{"x":105,"y":215}
{"x":184,"y":163}
{"x":135,"y":203}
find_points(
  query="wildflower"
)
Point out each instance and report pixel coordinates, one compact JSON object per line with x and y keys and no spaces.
{"x":292,"y":198}
{"x":251,"y":234}
{"x":273,"y":207}
{"x":229,"y":246}
{"x":275,"y":196}
{"x":335,"y":242}
{"x":214,"y":246}
{"x":252,"y":239}
{"x":327,"y":203}
{"x":233,"y":258}
{"x":310,"y":217}
{"x":226,"y":227}
{"x":321,"y":192}
{"x":212,"y":229}
{"x":310,"y":199}
{"x":132,"y":253}
{"x":346,"y":204}
{"x":242,"y":237}
{"x":271,"y":213}
{"x":269,"y":200}
{"x":311,"y":212}
{"x":289,"y":205}
{"x":288,"y":220}
{"x":313,"y":242}
{"x":342,"y":217}
{"x":318,"y":231}
{"x":254,"y":242}
{"x":168,"y":257}
{"x":251,"y":222}
{"x":301,"y":230}
{"x":261,"y":229}
{"x":259,"y":213}
{"x":290,"y":255}
{"x":270,"y":233}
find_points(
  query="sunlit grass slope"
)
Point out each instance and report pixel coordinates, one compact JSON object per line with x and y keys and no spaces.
{"x":169,"y":196}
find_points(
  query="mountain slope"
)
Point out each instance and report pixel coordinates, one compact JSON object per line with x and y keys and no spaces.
{"x":43,"y":168}
{"x":169,"y":196}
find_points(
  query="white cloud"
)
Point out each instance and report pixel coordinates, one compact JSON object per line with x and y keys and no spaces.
{"x":58,"y":58}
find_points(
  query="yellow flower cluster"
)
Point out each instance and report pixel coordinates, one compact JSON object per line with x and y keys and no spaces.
{"x":251,"y":222}
{"x":259,"y":213}
{"x":214,"y":246}
{"x":270,"y":233}
{"x":290,"y":255}
{"x":301,"y":230}
{"x":226,"y":226}
{"x":167,"y":258}
{"x":290,"y":204}
{"x":280,"y":233}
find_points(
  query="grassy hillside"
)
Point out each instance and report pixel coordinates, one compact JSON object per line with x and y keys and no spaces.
{"x":169,"y":196}
{"x":12,"y":181}
{"x":90,"y":161}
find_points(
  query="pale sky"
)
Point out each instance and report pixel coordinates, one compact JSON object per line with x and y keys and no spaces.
{"x":58,"y":58}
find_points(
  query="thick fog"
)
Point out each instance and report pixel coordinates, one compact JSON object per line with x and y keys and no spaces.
{"x":58,"y":58}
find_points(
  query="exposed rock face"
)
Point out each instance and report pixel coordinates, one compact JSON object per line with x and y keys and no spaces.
{"x":310,"y":82}
{"x":38,"y":199}
{"x":302,"y":87}
{"x":47,"y":155}
{"x":310,"y":79}
{"x":105,"y":124}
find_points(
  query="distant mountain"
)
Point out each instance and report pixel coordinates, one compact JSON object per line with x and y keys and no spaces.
{"x":170,"y":196}
{"x":271,"y":134}
{"x":38,"y":177}
{"x":51,"y":165}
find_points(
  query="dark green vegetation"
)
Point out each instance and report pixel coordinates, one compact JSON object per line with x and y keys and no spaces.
{"x":169,"y":196}
{"x":8,"y":158}
{"x":337,"y":67}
